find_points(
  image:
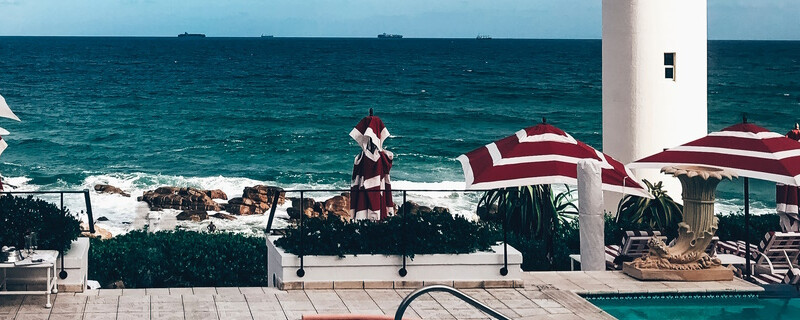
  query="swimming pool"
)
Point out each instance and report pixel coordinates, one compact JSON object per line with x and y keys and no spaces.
{"x":720,"y":307}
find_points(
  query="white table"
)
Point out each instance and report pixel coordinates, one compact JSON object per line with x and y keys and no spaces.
{"x":48,"y":264}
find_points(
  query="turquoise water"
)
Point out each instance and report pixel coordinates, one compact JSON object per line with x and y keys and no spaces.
{"x":700,"y":308}
{"x":231,"y":112}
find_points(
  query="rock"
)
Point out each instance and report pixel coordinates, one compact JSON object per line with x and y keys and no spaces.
{"x":102,"y":219}
{"x":411,"y":206}
{"x":99,"y":233}
{"x":216,"y":194}
{"x":255,"y":200}
{"x":193,"y":215}
{"x":179,"y":199}
{"x":220,"y":215}
{"x":105,"y":188}
{"x":339,"y":206}
{"x":308,"y":208}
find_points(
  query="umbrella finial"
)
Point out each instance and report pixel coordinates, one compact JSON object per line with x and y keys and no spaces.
{"x":744,"y":118}
{"x":544,"y":120}
{"x":370,"y":112}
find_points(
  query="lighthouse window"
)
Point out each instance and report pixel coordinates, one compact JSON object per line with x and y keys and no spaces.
{"x":669,"y":65}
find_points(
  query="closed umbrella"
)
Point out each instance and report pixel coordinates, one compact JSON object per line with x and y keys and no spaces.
{"x":787,"y":199}
{"x":542,"y":154}
{"x":747,"y":149}
{"x":371,"y":189}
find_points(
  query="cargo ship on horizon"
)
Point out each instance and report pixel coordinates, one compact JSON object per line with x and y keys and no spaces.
{"x":191,"y":35}
{"x":389,"y":36}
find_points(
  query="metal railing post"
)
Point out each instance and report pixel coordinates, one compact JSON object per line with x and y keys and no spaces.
{"x":403,"y":271}
{"x":504,"y":269}
{"x":89,"y":209}
{"x":301,"y":272}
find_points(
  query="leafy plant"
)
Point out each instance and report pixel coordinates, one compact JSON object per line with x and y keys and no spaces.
{"x":530,"y":211}
{"x":661,"y":213}
{"x":179,"y":259}
{"x":19,"y":215}
{"x":424,"y":233}
{"x":731,"y":226}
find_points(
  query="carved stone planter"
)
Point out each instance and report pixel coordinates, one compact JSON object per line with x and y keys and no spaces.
{"x":686,"y":259}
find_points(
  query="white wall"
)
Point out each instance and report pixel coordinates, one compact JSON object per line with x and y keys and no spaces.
{"x":643,"y":112}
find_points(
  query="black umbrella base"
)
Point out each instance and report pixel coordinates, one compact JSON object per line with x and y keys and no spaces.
{"x":717,"y":273}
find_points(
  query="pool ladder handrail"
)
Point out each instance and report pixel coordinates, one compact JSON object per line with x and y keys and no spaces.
{"x":401,"y":309}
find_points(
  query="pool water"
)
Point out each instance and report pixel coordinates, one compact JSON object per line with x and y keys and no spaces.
{"x":674,"y":308}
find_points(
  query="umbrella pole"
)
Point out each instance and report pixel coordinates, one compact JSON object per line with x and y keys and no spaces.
{"x":747,"y":227}
{"x":504,"y":269}
{"x":403,"y":272}
{"x":301,"y":272}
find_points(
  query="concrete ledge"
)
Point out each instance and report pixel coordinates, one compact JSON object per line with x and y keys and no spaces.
{"x":474,"y":270}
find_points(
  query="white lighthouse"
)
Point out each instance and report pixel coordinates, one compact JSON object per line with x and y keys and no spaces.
{"x":654,"y":80}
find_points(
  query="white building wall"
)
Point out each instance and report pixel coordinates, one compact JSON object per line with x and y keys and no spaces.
{"x":643,"y":112}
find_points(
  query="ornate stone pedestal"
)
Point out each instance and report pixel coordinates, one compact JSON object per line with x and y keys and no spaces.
{"x":686,"y":259}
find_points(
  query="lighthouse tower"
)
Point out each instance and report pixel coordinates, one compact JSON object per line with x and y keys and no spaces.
{"x":654,"y":80}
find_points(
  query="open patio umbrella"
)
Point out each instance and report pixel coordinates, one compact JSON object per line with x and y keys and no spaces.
{"x":747,"y":149}
{"x":371,"y":189}
{"x":542,"y":154}
{"x":5,"y":111}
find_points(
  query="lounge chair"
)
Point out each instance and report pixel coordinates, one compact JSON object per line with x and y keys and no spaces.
{"x":775,"y":254}
{"x":634,"y":245}
{"x":790,"y":276}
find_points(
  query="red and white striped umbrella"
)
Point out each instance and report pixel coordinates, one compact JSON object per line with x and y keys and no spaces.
{"x":371,"y":189}
{"x":542,"y":154}
{"x":747,"y":149}
{"x":787,"y":199}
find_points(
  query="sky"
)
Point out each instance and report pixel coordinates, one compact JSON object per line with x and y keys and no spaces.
{"x":546,"y":19}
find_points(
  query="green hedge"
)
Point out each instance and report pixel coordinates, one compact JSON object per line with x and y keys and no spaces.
{"x":179,"y":259}
{"x":731,"y":226}
{"x":20,"y":215}
{"x":424,"y":233}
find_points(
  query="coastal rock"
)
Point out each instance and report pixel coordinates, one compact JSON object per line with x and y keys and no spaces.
{"x":255,"y":200}
{"x":106,"y":188}
{"x":193,"y":215}
{"x":339,"y":206}
{"x":224,"y":216}
{"x":216,"y":194}
{"x":180,"y":199}
{"x":99,"y":233}
{"x":102,"y":219}
{"x":414,"y":208}
{"x":308,"y":207}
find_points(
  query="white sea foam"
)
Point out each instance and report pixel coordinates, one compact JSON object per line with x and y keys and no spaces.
{"x":122,"y":211}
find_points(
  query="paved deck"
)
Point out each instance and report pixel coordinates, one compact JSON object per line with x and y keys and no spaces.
{"x":547,"y":295}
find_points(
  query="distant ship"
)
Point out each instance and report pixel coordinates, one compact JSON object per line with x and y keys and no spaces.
{"x":266,"y":35}
{"x":483,"y":37}
{"x":191,"y":35}
{"x":388,"y":35}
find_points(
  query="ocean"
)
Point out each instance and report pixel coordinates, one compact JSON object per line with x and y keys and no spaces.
{"x":225,"y":113}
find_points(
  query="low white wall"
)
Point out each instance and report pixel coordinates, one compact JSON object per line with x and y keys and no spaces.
{"x":478,"y":266}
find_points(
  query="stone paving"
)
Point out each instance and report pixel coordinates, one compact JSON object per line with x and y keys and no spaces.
{"x":547,"y":295}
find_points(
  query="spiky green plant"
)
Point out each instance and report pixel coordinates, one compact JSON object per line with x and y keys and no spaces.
{"x":661,"y":213}
{"x":531,"y":211}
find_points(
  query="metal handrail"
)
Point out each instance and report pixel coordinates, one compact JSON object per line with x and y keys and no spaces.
{"x":401,"y":309}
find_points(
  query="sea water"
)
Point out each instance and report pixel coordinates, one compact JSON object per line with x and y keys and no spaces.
{"x":225,"y":113}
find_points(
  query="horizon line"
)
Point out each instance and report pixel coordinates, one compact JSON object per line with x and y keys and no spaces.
{"x":338,"y":37}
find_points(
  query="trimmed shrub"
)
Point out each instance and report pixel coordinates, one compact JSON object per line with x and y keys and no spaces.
{"x":731,"y":226}
{"x":425,"y":233}
{"x":20,"y":215}
{"x":179,"y":259}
